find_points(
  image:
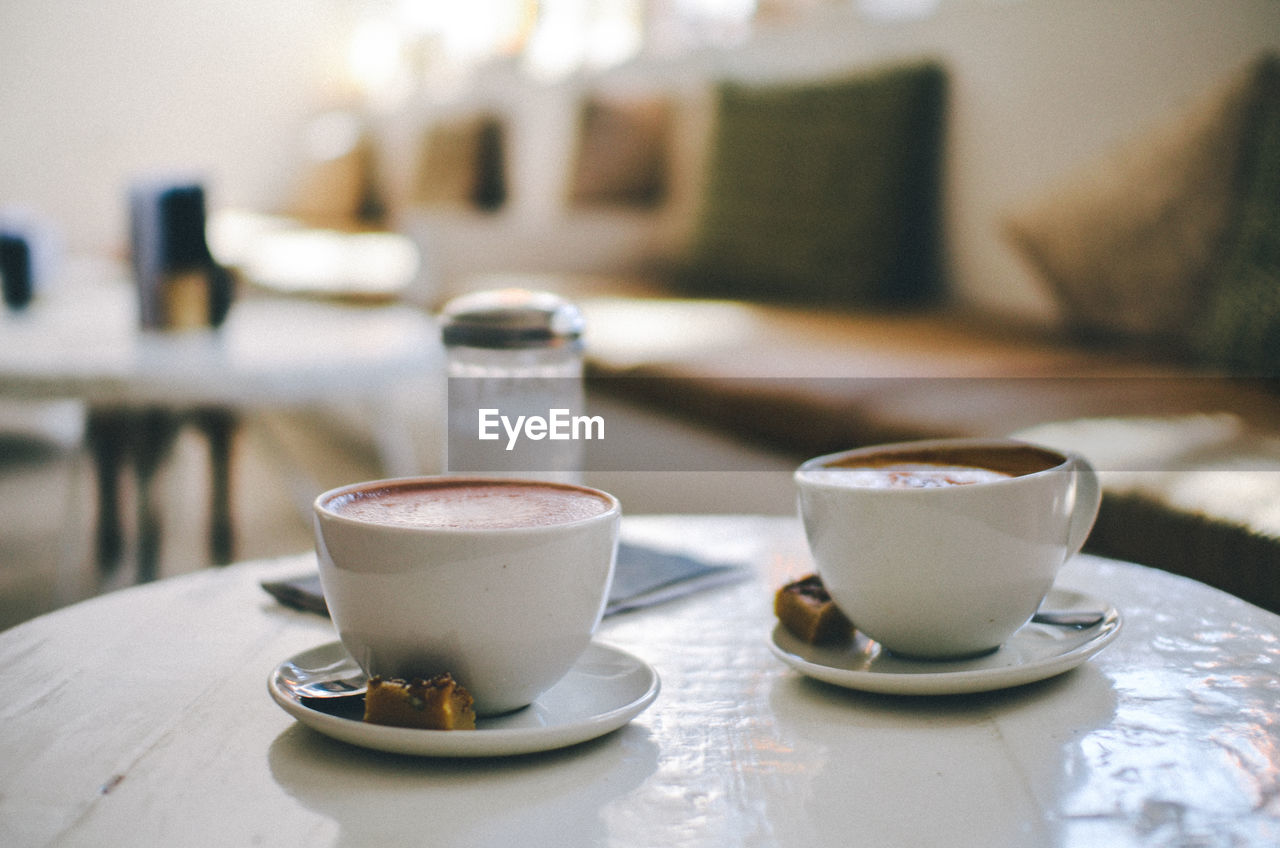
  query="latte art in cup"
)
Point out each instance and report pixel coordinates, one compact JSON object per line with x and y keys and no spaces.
{"x":472,"y":504}
{"x":904,"y":475}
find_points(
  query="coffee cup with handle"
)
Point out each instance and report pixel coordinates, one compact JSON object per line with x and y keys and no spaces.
{"x":944,"y":549}
{"x":501,"y":583}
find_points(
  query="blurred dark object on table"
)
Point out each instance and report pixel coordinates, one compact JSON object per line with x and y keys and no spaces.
{"x":15,"y":269}
{"x":180,"y":285}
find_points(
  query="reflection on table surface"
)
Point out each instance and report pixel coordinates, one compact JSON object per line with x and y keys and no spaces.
{"x":81,"y":338}
{"x":1168,"y":736}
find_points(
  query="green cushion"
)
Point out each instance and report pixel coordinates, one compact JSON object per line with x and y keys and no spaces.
{"x":1241,"y":331}
{"x":824,"y":193}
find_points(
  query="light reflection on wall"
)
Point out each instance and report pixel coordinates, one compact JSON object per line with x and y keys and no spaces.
{"x":429,"y":45}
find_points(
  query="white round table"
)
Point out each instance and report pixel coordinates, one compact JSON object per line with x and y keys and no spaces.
{"x":80,"y":338}
{"x":142,"y":718}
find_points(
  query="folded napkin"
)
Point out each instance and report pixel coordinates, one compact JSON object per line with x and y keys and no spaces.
{"x":642,"y":576}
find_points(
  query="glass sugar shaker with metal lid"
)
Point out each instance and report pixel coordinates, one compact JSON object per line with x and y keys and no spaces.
{"x":514,"y":365}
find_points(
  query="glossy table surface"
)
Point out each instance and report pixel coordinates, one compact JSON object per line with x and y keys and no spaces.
{"x":143,"y":718}
{"x":80,"y":338}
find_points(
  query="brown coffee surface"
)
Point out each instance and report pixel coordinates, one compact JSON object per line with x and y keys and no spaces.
{"x":905,"y":475}
{"x":1006,"y":460}
{"x":470,"y":505}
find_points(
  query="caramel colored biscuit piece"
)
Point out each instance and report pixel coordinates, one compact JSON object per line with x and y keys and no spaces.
{"x":435,"y":704}
{"x":805,"y":608}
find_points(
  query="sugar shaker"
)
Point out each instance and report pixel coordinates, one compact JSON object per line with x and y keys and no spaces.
{"x":514,"y":365}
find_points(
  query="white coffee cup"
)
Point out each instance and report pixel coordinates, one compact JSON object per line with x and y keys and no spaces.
{"x":499,"y":582}
{"x":945,"y":571}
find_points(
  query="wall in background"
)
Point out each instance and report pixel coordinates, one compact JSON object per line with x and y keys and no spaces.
{"x":96,"y":93}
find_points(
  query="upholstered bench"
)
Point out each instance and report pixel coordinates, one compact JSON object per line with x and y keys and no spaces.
{"x":809,"y":381}
{"x":1190,"y":460}
{"x":1198,"y":495}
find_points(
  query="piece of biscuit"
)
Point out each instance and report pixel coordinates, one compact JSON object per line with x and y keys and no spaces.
{"x":435,"y":704}
{"x":805,"y":608}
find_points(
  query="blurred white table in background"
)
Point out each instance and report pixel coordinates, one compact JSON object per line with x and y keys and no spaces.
{"x":142,"y":718}
{"x":80,"y":339}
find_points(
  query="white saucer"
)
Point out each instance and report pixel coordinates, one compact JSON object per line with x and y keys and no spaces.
{"x":604,"y":690}
{"x":1035,"y":652}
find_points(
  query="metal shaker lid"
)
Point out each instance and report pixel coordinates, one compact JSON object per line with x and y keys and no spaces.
{"x":510,"y":319}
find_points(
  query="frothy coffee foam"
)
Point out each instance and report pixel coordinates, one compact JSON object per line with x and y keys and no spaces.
{"x":470,"y":505}
{"x":904,"y":475}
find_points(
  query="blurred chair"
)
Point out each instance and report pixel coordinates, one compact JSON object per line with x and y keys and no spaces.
{"x":36,"y":431}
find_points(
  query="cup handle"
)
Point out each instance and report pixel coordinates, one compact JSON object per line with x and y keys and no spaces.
{"x":1088,"y":499}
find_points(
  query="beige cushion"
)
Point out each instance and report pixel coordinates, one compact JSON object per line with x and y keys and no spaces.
{"x":1127,"y":242}
{"x":462,"y":163}
{"x":623,"y":150}
{"x":336,"y":187}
